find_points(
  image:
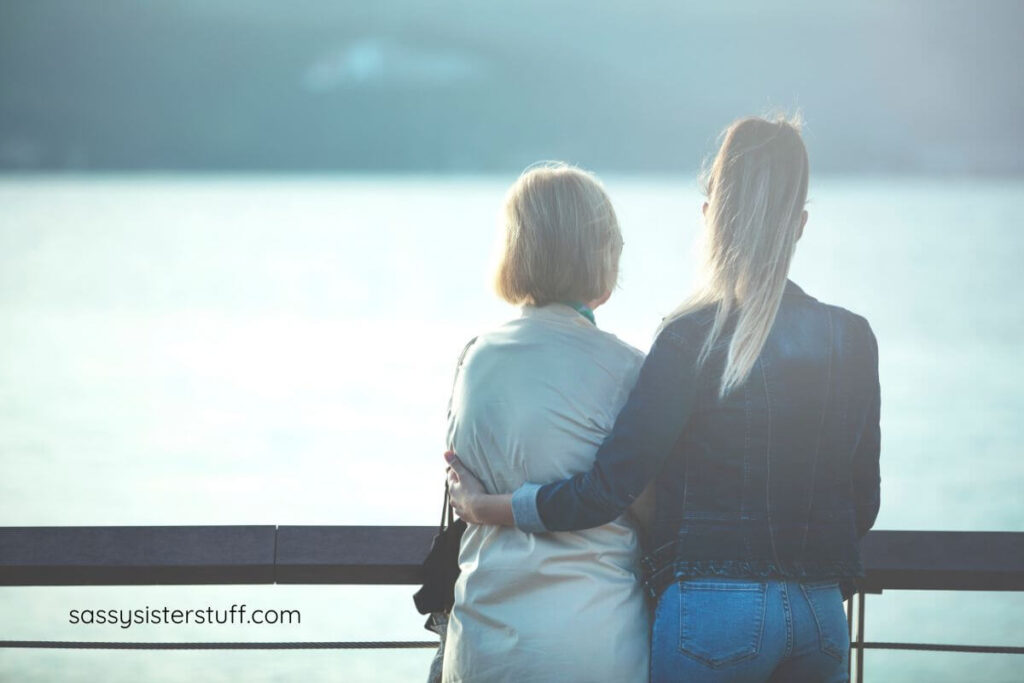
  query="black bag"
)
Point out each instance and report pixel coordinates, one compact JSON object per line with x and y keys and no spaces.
{"x":441,"y":568}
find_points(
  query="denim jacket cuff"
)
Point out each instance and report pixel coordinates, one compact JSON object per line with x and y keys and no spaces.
{"x":524,"y":509}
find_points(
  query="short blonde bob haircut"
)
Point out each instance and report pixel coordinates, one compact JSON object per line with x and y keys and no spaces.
{"x":561,"y":238}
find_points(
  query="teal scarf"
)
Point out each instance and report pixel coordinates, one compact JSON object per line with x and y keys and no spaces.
{"x":582,"y":309}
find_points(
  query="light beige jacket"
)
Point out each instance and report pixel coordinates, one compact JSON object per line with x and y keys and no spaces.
{"x":532,"y":401}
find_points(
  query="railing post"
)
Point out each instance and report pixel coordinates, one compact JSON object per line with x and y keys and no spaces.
{"x":860,"y":636}
{"x":849,"y":633}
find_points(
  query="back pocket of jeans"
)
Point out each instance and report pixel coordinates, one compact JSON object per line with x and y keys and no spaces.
{"x":826,"y":602}
{"x":721,"y":622}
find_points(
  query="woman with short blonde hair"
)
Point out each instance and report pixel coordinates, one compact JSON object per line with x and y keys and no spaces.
{"x":532,"y":401}
{"x":562,"y":240}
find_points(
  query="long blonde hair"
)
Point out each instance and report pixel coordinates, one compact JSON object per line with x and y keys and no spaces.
{"x":756,"y":189}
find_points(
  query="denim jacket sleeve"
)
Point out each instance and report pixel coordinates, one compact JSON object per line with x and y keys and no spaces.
{"x":644,"y":433}
{"x":866,"y":477}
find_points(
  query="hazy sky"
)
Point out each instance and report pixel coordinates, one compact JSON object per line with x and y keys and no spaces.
{"x":921,"y":86}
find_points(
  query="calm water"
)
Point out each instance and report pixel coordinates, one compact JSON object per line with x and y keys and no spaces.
{"x":279,"y":351}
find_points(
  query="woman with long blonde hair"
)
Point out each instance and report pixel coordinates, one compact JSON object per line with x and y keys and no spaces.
{"x":756,"y":413}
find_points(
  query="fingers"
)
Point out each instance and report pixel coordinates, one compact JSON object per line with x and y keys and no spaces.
{"x":458,"y":468}
{"x":454,"y":462}
{"x":451,"y":472}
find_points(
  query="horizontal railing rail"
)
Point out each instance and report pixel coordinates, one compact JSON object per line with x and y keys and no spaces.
{"x":387,"y":555}
{"x":365,"y":555}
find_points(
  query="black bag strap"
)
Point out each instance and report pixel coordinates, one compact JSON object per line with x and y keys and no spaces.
{"x":447,"y":512}
{"x":458,"y":367}
{"x":451,"y":510}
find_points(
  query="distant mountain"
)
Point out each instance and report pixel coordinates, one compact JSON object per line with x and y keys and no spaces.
{"x":404,"y":85}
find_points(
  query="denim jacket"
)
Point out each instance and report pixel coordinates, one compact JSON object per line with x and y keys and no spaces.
{"x":778,"y":479}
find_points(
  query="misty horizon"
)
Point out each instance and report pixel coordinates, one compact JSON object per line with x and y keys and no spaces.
{"x":908,"y":88}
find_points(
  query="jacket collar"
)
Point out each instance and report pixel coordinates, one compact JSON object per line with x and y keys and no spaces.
{"x":793,"y":289}
{"x":556,"y":311}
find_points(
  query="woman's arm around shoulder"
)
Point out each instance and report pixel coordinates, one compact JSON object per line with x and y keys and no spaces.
{"x":644,"y":434}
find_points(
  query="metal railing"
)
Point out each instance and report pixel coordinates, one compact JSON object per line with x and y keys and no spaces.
{"x":375,"y":555}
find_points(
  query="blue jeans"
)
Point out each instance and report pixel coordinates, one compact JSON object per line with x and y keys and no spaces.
{"x":711,"y":629}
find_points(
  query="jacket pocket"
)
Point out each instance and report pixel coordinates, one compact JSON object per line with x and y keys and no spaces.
{"x":721,"y":622}
{"x":826,"y":603}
